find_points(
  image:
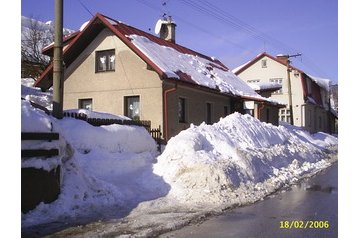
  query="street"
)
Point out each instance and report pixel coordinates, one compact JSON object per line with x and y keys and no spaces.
{"x":311,"y":203}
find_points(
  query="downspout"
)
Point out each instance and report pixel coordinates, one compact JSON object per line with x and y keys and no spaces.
{"x":259,"y":110}
{"x":166,"y":92}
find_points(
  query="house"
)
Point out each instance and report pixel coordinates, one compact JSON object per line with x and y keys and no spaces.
{"x":115,"y":68}
{"x":307,"y":97}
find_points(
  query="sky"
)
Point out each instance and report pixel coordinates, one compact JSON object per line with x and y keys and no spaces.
{"x":230,"y":30}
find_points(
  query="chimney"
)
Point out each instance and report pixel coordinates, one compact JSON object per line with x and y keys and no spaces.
{"x":167,"y":30}
{"x":283,"y":59}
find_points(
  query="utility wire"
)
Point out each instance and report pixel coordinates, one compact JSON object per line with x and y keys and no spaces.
{"x":85,"y":7}
{"x":154,"y":7}
{"x":222,"y":16}
{"x":206,"y":7}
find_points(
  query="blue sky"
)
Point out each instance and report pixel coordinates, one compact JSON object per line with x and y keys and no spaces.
{"x":234,"y":31}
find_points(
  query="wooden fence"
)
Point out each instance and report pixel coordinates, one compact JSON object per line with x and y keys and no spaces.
{"x":48,"y":136}
{"x":38,"y":185}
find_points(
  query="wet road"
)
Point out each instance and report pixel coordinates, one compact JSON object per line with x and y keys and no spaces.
{"x":314,"y":199}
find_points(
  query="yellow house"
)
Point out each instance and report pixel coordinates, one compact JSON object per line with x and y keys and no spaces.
{"x":115,"y":68}
{"x":307,"y":97}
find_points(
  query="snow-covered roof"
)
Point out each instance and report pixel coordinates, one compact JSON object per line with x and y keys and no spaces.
{"x":168,"y":59}
{"x":197,"y":69}
{"x":323,"y":83}
{"x":265,"y":86}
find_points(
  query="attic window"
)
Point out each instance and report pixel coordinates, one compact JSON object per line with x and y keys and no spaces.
{"x":264,"y":63}
{"x":105,"y":60}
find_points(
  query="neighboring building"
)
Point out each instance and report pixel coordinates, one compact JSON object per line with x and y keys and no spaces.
{"x":115,"y":68}
{"x":310,"y":96}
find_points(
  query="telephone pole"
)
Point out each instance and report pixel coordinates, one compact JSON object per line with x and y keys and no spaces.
{"x":58,"y":75}
{"x":289,"y":86}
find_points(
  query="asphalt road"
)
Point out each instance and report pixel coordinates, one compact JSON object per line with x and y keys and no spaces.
{"x":312,"y":203}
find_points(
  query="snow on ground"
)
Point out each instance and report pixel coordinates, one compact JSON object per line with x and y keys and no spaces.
{"x":101,"y":167}
{"x":113,"y":173}
{"x":238,"y":160}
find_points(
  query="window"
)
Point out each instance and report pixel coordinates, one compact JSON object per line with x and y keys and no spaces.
{"x":132,"y":107}
{"x":105,"y":60}
{"x":208,"y":113}
{"x":264,"y":63}
{"x":278,"y":81}
{"x":181,"y":109}
{"x":285,"y":115}
{"x":85,"y":104}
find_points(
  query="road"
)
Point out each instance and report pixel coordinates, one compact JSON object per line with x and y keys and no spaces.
{"x":314,"y":199}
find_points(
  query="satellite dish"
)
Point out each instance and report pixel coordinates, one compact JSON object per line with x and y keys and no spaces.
{"x":158,"y":26}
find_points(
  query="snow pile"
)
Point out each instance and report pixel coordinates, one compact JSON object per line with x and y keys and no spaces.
{"x":106,"y":170}
{"x":238,"y":160}
{"x":35,"y":94}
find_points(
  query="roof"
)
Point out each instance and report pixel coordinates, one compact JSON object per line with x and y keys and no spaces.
{"x":269,"y":86}
{"x":168,"y":59}
{"x":245,"y":66}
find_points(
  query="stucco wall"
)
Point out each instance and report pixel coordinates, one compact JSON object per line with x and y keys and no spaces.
{"x":107,"y":89}
{"x":195,"y":107}
{"x":277,"y":70}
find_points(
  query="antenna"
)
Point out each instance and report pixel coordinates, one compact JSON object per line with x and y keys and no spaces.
{"x":164,"y":8}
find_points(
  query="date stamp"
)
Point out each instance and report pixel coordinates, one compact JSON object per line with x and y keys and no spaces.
{"x":299,"y":224}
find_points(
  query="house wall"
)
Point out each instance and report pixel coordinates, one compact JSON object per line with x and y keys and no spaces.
{"x":196,"y":101}
{"x":277,"y":70}
{"x":107,"y":89}
{"x":266,"y":113}
{"x":315,"y":118}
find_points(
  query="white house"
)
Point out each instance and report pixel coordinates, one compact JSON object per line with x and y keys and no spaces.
{"x":307,"y":97}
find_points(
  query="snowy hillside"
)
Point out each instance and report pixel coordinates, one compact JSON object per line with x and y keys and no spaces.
{"x":114,"y":173}
{"x":28,"y":23}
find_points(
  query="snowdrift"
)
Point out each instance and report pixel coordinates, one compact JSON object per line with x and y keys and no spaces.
{"x":239,"y":160}
{"x":106,"y":170}
{"x":113,"y":172}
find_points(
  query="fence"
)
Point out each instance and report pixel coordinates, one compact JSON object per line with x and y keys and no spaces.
{"x":49,"y":136}
{"x":38,"y":185}
{"x":155,"y":133}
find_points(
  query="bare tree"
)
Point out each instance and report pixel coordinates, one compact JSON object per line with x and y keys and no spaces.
{"x":35,"y":36}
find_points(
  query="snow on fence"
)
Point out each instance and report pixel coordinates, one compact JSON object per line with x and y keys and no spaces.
{"x":155,"y":133}
{"x":106,"y":121}
{"x":39,"y":185}
{"x":26,"y":153}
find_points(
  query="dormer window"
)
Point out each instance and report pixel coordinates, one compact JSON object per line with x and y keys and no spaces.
{"x":105,"y":60}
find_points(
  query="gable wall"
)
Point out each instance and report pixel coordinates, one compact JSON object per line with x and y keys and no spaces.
{"x":277,"y":70}
{"x":107,"y":89}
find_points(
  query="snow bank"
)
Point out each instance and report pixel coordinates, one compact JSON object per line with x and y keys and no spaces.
{"x":106,"y":170}
{"x":34,"y":120}
{"x":35,"y":94}
{"x":238,"y":160}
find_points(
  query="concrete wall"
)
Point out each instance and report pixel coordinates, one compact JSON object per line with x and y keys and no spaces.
{"x":108,"y":89}
{"x":196,"y":101}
